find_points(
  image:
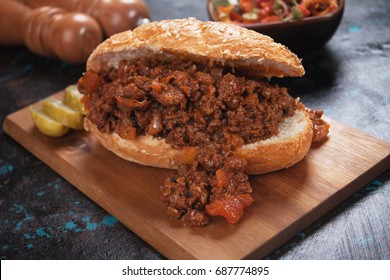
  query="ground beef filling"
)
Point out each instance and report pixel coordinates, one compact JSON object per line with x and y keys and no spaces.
{"x":191,"y":105}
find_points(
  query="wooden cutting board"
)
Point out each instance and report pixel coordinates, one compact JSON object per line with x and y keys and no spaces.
{"x":286,"y":201}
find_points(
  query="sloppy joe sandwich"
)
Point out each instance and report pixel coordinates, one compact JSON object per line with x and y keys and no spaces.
{"x":195,"y":96}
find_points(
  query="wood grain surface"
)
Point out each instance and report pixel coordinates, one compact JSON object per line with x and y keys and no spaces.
{"x":286,"y":201}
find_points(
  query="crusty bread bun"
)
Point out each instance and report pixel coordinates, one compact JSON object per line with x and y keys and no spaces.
{"x":252,"y":53}
{"x":227,"y":44}
{"x":280,"y":151}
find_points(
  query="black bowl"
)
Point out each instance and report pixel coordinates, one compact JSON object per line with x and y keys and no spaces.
{"x":301,"y":36}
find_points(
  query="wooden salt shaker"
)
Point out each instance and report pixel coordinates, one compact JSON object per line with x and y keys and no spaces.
{"x":114,"y":16}
{"x":49,"y":31}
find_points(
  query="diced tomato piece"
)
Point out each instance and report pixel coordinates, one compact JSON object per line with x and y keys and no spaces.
{"x":126,"y":131}
{"x":246,"y":5}
{"x":305,"y":12}
{"x":231,"y":208}
{"x":91,"y":81}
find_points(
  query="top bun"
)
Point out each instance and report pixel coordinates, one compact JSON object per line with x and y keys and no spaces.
{"x":207,"y":42}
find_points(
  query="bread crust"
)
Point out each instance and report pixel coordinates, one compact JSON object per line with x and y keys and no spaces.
{"x":213,"y":42}
{"x":283,"y":150}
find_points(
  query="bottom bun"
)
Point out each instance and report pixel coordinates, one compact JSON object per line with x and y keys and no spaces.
{"x":283,"y":150}
{"x":280,"y":151}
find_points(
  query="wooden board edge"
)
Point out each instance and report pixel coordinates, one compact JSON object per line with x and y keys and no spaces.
{"x":165,"y":247}
{"x":321,"y":210}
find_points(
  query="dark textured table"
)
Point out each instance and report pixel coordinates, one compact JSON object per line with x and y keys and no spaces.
{"x":45,"y":217}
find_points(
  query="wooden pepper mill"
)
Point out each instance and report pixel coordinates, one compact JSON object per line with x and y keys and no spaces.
{"x":114,"y":16}
{"x":49,"y":31}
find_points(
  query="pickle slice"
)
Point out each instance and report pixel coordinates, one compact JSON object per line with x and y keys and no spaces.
{"x":63,"y":114}
{"x":47,"y":125}
{"x":72,"y":98}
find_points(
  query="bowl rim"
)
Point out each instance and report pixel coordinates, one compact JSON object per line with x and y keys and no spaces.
{"x":303,"y":21}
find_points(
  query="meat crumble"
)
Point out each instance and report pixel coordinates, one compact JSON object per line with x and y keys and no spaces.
{"x":189,"y":104}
